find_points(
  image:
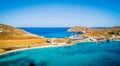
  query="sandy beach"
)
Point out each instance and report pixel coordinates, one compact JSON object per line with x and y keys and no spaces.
{"x":46,"y":46}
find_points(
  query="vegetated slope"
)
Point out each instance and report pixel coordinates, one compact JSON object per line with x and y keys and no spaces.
{"x":9,"y":32}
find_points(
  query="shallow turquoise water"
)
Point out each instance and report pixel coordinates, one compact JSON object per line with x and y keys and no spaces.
{"x":81,"y":54}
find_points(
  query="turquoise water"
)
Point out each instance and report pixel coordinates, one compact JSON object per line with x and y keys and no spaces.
{"x":80,"y":54}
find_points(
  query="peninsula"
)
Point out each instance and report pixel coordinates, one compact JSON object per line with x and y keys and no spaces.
{"x":12,"y":38}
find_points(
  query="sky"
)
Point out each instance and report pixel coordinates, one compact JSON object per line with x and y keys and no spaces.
{"x":60,"y":13}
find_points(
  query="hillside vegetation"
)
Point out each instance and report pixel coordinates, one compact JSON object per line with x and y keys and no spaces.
{"x":106,"y":33}
{"x":13,"y":38}
{"x":9,"y":32}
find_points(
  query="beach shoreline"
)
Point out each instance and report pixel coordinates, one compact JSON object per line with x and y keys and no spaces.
{"x":46,"y":46}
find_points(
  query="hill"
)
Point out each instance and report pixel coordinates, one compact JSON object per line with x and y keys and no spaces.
{"x":93,"y":32}
{"x":9,"y":32}
{"x":12,"y":38}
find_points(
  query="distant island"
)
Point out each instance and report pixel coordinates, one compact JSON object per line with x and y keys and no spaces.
{"x":12,"y":38}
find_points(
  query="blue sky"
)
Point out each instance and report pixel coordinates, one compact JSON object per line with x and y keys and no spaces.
{"x":60,"y":13}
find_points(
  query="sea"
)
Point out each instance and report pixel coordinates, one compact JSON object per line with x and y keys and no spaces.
{"x":51,"y":32}
{"x":80,"y":54}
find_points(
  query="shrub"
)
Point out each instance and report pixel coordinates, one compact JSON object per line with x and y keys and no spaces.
{"x":29,"y":47}
{"x":7,"y":48}
{"x":68,"y":42}
{"x":111,"y":33}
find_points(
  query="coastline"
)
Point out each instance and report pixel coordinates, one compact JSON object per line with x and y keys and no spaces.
{"x":32,"y":41}
{"x":47,"y":46}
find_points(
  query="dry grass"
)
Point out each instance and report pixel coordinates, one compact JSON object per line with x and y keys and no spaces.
{"x":14,"y":44}
{"x":98,"y":34}
{"x":19,"y":43}
{"x":61,"y":40}
{"x":7,"y":45}
{"x":2,"y":50}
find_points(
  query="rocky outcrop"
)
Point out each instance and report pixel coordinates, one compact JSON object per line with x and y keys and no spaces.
{"x":81,"y":29}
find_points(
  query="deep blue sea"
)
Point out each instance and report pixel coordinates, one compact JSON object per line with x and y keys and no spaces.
{"x":51,"y":32}
{"x":80,"y":54}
